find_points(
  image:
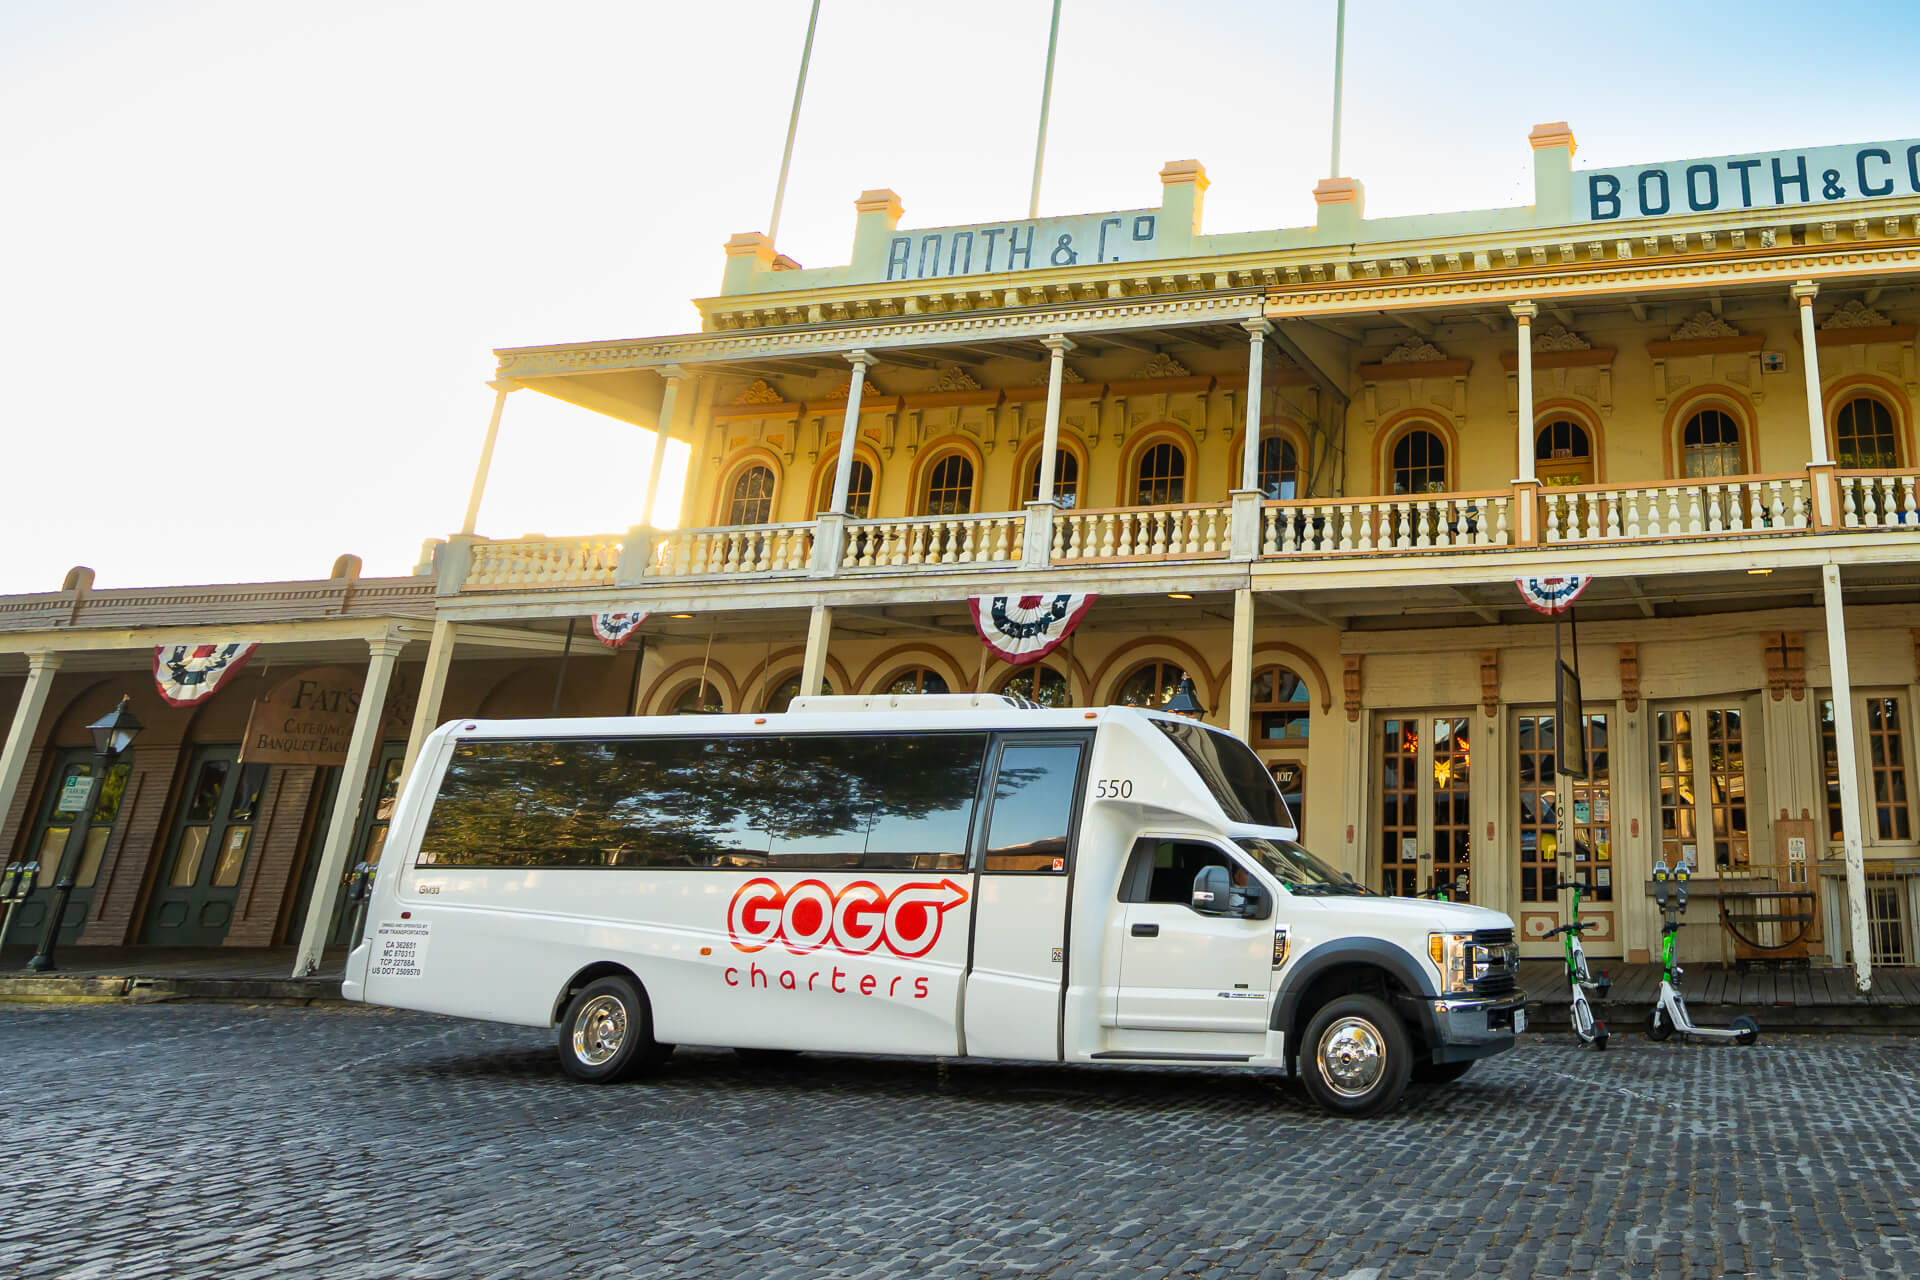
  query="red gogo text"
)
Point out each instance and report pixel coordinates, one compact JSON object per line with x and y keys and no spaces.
{"x":858,"y":918}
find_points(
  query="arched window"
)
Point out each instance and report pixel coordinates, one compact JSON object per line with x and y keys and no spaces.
{"x":1863,"y":435}
{"x":916,"y":680}
{"x":1038,"y":684}
{"x":859,"y":490}
{"x":1150,"y":684}
{"x":1561,"y":440}
{"x":1066,"y":479}
{"x":1279,"y":468}
{"x":1160,"y":477}
{"x":787,"y":690}
{"x":698,"y":698}
{"x":1282,"y":707}
{"x":751,"y":501}
{"x":1710,"y":446}
{"x":1419,"y":463}
{"x":950,"y":487}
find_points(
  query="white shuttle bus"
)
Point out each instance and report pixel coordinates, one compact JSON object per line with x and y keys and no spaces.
{"x":948,"y":875}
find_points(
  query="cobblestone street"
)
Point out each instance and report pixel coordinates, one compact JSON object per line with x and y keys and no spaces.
{"x":230,"y":1141}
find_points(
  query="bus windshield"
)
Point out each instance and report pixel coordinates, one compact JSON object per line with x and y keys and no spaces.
{"x":1234,"y":775}
{"x":1299,"y":871}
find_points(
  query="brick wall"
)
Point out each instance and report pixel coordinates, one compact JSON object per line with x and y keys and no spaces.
{"x":276,"y":846}
{"x":138,"y":838}
{"x":14,"y":826}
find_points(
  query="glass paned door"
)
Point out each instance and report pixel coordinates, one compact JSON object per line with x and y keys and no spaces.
{"x":1700,"y":787}
{"x":1424,"y":825}
{"x":370,"y":838}
{"x":212,"y":836}
{"x":1566,"y":833}
{"x":67,"y":789}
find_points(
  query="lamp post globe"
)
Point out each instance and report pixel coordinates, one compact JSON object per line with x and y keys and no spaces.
{"x":1186,"y":700}
{"x":112,"y":734}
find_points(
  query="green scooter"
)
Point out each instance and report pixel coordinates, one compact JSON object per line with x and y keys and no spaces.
{"x":1670,"y":1013}
{"x":1589,"y":1028}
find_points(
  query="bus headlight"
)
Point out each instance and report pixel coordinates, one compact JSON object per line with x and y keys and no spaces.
{"x":1449,"y":952}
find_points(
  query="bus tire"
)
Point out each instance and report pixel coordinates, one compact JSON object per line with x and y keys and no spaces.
{"x":1356,"y":1057}
{"x":607,"y":1032}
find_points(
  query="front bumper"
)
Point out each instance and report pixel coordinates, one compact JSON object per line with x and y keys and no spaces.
{"x":1460,"y":1028}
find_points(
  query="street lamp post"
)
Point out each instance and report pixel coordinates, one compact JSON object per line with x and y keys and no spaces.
{"x":1186,"y":700}
{"x":112,"y":734}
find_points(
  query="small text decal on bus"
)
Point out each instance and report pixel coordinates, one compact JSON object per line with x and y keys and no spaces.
{"x":859,"y":918}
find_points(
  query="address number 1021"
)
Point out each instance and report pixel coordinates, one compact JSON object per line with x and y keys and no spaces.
{"x":1113,"y":788}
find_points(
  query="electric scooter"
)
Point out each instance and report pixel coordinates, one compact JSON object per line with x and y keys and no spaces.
{"x":1589,"y":1028}
{"x":1443,"y":890}
{"x":1670,"y":1013}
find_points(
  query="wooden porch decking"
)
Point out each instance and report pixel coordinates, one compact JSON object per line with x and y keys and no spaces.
{"x":1819,"y":998}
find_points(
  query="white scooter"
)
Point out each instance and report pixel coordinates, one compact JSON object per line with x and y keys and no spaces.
{"x":1670,"y":1014}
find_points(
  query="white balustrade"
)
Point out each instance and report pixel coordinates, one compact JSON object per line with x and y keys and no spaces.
{"x":542,"y":562}
{"x":1596,"y":513}
{"x":731,"y":551}
{"x":1374,"y":525}
{"x":993,"y":538}
{"x":1874,"y":500}
{"x":1142,"y":533}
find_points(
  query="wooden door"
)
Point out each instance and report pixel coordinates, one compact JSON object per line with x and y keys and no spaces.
{"x":67,"y":789}
{"x":193,"y":900}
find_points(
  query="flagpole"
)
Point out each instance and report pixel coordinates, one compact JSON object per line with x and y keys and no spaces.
{"x":1339,"y":62}
{"x":793,"y":126}
{"x":1046,"y":99}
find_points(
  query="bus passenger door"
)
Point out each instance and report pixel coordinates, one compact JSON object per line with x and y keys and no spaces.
{"x":1024,"y":862}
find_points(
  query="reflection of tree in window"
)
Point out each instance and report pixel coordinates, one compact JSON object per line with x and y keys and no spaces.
{"x":1419,"y":463}
{"x":1038,"y":684}
{"x":752,"y":500}
{"x":1281,"y":704}
{"x":950,"y":487}
{"x":1279,"y":468}
{"x":698,"y":697}
{"x":787,"y":690}
{"x":1864,"y":436}
{"x":1160,"y":476}
{"x":1066,"y":480}
{"x":859,"y":490}
{"x":1150,"y":685}
{"x":917,"y":680}
{"x":881,"y":801}
{"x":1710,"y":445}
{"x":1032,"y":807}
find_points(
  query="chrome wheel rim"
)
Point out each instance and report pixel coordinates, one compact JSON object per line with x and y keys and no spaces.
{"x":1352,"y":1057}
{"x":599,"y":1030}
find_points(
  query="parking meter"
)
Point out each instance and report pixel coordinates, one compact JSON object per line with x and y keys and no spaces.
{"x":16,"y":885}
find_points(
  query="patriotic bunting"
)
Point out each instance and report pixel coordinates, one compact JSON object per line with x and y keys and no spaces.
{"x":187,"y":673}
{"x":1023,"y":629}
{"x":1552,"y":595}
{"x":614,"y":629}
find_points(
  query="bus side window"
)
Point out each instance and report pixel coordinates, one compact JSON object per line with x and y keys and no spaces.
{"x":1033,"y":805}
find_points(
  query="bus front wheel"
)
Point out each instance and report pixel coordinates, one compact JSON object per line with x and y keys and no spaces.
{"x":607,"y":1032}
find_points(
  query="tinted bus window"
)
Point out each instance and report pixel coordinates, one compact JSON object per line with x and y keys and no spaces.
{"x":868,"y":802}
{"x":1033,"y":807}
{"x":1233,"y":774}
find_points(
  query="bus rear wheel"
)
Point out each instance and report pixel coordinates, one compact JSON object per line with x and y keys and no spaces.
{"x":607,"y":1033}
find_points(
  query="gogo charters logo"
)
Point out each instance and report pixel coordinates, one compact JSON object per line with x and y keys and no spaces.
{"x":860,"y":918}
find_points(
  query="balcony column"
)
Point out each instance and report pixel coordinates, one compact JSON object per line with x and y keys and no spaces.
{"x":1037,"y":548}
{"x":813,"y":668}
{"x":1526,"y":483}
{"x":1842,"y":680}
{"x":1820,"y":481}
{"x":669,"y":400}
{"x":382,"y":654}
{"x":501,"y":389}
{"x":1244,"y":536}
{"x":41,"y":669}
{"x":1240,"y":668}
{"x":830,"y":531}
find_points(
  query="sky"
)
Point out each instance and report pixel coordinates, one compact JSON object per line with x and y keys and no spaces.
{"x":255,"y":256}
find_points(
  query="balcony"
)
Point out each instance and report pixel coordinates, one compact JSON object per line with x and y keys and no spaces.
{"x":1519,"y":519}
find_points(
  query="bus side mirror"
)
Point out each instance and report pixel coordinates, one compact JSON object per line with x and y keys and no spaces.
{"x":1212,"y":891}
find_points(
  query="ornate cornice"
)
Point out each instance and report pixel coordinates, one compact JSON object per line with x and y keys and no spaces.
{"x":1855,"y":315}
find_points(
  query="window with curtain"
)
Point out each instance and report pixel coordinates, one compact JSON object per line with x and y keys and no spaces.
{"x":1710,"y":446}
{"x":1160,"y":477}
{"x":751,"y":501}
{"x":1419,"y":463}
